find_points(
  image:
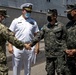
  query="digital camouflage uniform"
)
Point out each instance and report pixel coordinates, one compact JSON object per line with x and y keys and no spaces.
{"x":6,"y":34}
{"x":71,"y":44}
{"x":54,"y":39}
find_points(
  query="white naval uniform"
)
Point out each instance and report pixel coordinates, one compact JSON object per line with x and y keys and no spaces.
{"x":24,"y":30}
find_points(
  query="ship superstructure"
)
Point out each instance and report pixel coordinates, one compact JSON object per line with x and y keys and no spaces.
{"x":40,"y":8}
{"x":40,"y":5}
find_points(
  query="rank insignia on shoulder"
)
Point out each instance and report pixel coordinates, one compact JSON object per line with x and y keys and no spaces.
{"x":31,"y":23}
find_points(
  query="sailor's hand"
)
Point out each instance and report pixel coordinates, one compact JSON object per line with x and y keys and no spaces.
{"x":37,"y":50}
{"x":70,"y":52}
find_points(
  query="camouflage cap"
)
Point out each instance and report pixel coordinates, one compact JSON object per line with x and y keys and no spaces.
{"x":4,"y":13}
{"x":52,"y":12}
{"x":71,"y":7}
{"x":27,"y":6}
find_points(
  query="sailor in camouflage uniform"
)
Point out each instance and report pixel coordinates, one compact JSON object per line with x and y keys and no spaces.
{"x":6,"y":34}
{"x":54,"y":34}
{"x":71,"y":39}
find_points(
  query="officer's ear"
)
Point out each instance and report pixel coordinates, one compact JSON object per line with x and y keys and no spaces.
{"x":23,"y":11}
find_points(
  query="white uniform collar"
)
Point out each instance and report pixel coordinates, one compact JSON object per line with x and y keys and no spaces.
{"x":22,"y":18}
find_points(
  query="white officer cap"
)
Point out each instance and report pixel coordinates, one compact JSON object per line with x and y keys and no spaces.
{"x":27,"y":6}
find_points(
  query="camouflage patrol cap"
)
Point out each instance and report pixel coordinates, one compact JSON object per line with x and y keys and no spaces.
{"x":71,"y":7}
{"x":27,"y":6}
{"x":52,"y":12}
{"x":4,"y":13}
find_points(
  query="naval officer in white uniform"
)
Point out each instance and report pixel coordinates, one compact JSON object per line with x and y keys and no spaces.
{"x":25,"y":28}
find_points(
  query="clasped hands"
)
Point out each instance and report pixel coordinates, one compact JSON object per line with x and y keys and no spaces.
{"x":70,"y":52}
{"x":28,"y":46}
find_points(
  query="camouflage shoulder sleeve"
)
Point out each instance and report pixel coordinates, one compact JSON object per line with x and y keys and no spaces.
{"x":9,"y":36}
{"x":63,"y":27}
{"x":38,"y":37}
{"x":64,"y":30}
